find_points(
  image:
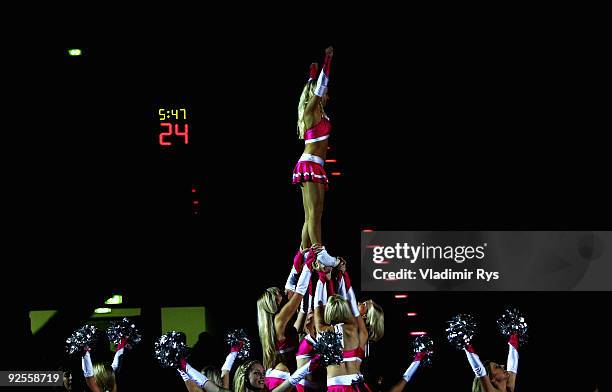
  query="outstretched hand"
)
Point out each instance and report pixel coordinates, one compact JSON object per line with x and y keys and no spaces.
{"x":328,"y":273}
{"x":237,"y":347}
{"x":325,"y":273}
{"x":315,"y":363}
{"x":316,"y":248}
{"x":122,"y":343}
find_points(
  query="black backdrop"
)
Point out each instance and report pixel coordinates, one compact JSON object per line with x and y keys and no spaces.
{"x":434,"y":128}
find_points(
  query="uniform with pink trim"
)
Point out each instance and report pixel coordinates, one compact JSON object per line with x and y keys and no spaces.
{"x":310,"y":167}
{"x":285,"y":348}
{"x":305,"y":352}
{"x":348,"y":382}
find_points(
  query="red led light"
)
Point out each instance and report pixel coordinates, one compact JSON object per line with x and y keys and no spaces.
{"x":382,"y":262}
{"x":196,"y":202}
{"x":367,"y":231}
{"x":418,"y":333}
{"x":400,"y":296}
{"x":411,"y":314}
{"x":330,"y":161}
{"x":373,"y":246}
{"x":169,"y":132}
{"x":193,"y":190}
{"x":336,"y":174}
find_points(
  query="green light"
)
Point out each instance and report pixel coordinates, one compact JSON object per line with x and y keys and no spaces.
{"x":74,"y":52}
{"x":102,"y":310}
{"x":119,"y":312}
{"x":38,"y":318}
{"x":114,"y":300}
{"x":190,"y":320}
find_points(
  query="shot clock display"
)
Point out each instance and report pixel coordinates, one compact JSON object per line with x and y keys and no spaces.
{"x":173,"y":123}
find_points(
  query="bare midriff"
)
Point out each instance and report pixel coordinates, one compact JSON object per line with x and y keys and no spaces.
{"x":317,"y":148}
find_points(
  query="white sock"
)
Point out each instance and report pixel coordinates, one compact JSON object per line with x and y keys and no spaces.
{"x":324,"y":258}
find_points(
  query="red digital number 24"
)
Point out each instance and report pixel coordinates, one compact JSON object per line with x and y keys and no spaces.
{"x":169,"y":132}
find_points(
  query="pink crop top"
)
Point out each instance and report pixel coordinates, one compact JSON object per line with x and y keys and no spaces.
{"x":319,"y":132}
{"x":305,"y":348}
{"x":356,"y":354}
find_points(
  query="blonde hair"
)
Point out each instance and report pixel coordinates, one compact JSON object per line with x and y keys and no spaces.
{"x":476,"y":384}
{"x":375,"y":322}
{"x":337,"y":310}
{"x":104,"y":376}
{"x":307,"y":93}
{"x":242,"y":375}
{"x":266,"y":310}
{"x":213,"y":374}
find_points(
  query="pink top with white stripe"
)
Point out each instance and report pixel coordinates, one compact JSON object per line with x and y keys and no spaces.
{"x":306,"y":346}
{"x":355,"y":354}
{"x":319,"y":132}
{"x":275,"y":378}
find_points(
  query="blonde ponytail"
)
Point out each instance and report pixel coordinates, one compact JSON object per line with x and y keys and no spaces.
{"x":266,"y":310}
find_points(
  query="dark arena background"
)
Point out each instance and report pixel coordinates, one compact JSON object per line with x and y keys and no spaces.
{"x":431,"y":131}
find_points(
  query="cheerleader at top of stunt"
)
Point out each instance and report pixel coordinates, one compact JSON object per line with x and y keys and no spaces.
{"x":314,"y":127}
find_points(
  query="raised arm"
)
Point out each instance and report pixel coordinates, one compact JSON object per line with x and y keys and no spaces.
{"x":321,"y":82}
{"x":345,"y":289}
{"x":229,"y":363}
{"x":287,"y":312}
{"x":118,"y":353}
{"x":323,"y":290}
{"x":299,"y":321}
{"x":189,"y":375}
{"x":512,"y":362}
{"x":479,"y":369}
{"x":408,"y":373}
{"x":88,"y":372}
{"x":297,"y":376}
{"x":189,"y":383}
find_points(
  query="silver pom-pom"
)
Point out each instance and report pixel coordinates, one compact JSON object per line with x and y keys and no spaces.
{"x":170,"y":349}
{"x":238,"y":337}
{"x":81,"y":339}
{"x":124,"y":329}
{"x":329,"y":346}
{"x":461,"y":329}
{"x":512,"y":322}
{"x":423,"y":344}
